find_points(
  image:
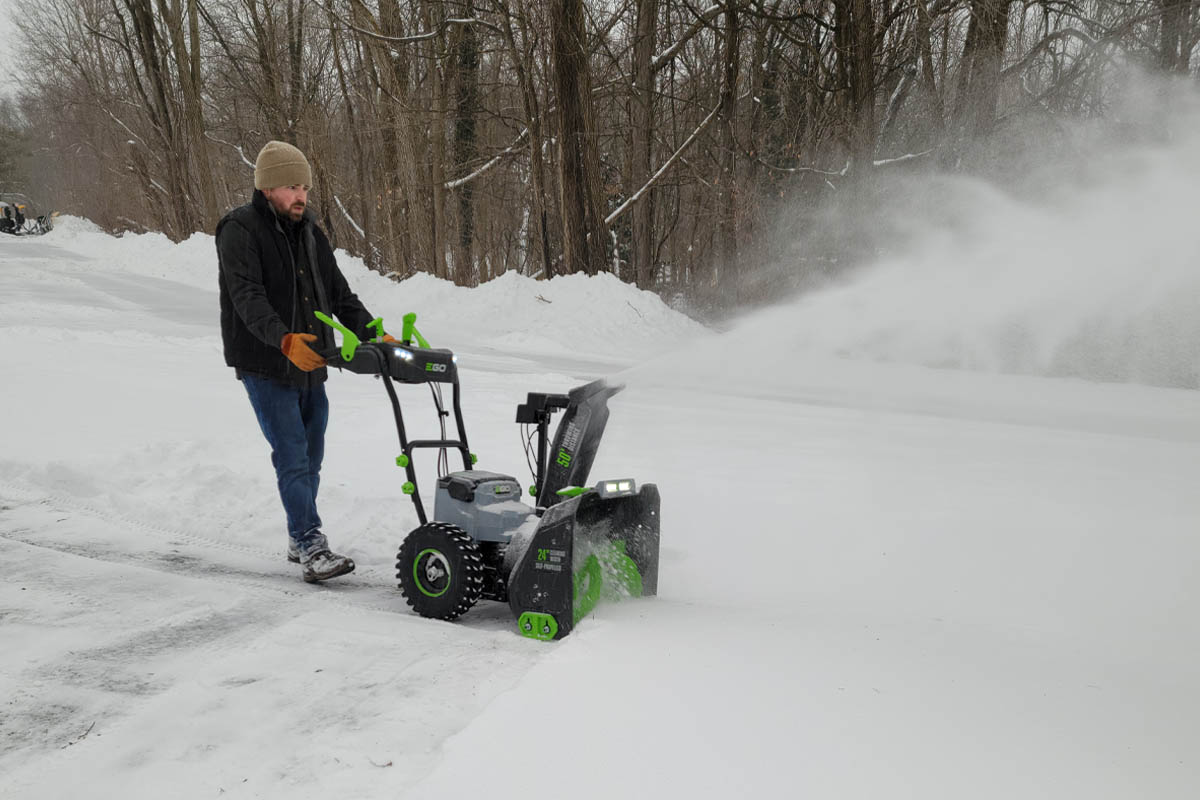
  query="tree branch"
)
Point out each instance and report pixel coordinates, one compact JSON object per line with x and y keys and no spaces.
{"x":636,"y":196}
{"x":454,"y":184}
{"x":417,"y":37}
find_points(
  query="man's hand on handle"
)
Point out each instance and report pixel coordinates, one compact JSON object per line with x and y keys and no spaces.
{"x":295,"y":347}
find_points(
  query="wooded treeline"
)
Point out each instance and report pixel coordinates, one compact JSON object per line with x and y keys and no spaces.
{"x":656,"y":139}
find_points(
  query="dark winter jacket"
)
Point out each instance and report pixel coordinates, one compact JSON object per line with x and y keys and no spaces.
{"x":267,"y":266}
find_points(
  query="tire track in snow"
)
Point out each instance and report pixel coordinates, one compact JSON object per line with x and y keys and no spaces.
{"x":99,"y":679}
{"x":248,"y":568}
{"x":121,"y":676}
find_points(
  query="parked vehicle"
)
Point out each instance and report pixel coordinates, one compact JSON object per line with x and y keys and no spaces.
{"x":15,"y":216}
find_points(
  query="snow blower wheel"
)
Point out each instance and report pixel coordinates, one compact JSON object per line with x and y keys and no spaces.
{"x":440,"y":571}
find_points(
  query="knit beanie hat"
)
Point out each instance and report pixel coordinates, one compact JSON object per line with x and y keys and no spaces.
{"x":281,"y":164}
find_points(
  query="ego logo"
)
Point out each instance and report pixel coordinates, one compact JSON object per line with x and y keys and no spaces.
{"x":432,"y":367}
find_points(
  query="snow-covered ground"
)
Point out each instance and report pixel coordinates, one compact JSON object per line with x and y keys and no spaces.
{"x":882,"y":575}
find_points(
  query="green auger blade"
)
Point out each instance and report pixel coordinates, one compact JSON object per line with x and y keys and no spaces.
{"x":607,"y":574}
{"x":589,"y":585}
{"x":622,"y":578}
{"x":586,"y":550}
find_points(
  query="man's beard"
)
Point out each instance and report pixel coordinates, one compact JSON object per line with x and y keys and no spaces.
{"x":295,"y":212}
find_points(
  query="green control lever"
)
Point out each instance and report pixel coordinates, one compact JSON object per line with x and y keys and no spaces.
{"x":350,"y":341}
{"x":410,"y":330}
{"x":377,"y":325}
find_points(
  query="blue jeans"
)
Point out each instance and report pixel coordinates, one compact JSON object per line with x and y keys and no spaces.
{"x":294,"y":420}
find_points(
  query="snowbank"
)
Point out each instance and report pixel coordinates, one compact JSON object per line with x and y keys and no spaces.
{"x":570,"y":314}
{"x":69,"y":227}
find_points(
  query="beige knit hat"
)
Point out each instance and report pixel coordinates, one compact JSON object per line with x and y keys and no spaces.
{"x":281,"y":164}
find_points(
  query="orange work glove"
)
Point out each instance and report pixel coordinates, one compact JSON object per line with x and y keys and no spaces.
{"x":295,"y":347}
{"x":387,"y":337}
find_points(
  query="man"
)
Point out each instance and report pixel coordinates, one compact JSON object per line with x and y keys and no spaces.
{"x":276,"y":269}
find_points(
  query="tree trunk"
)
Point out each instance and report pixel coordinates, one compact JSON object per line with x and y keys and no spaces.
{"x":928,"y":76}
{"x":1174,"y":43}
{"x":585,"y":236}
{"x":264,"y":39}
{"x":466,"y":108}
{"x":983,"y":53}
{"x":727,"y":244}
{"x":161,"y":113}
{"x":523,"y":63}
{"x":435,"y":174}
{"x":360,"y":161}
{"x":408,"y":192}
{"x":641,"y":141}
{"x":187,"y":68}
{"x":862,"y":88}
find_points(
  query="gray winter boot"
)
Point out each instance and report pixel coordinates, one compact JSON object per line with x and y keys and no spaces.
{"x":322,"y":565}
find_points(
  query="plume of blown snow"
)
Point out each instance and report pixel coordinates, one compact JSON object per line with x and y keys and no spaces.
{"x":1097,"y":277}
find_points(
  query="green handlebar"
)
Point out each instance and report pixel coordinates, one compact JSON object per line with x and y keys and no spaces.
{"x":350,"y":341}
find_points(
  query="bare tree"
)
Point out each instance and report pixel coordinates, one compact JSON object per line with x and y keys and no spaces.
{"x":653,"y":138}
{"x":642,"y":131}
{"x":585,"y":234}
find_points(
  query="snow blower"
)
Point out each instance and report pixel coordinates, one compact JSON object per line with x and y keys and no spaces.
{"x":552,"y":562}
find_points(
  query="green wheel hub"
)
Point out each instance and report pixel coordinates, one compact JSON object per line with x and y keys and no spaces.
{"x":440,"y":571}
{"x":432,"y":573}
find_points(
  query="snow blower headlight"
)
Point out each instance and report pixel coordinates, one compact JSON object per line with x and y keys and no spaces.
{"x":618,"y":488}
{"x":404,"y":354}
